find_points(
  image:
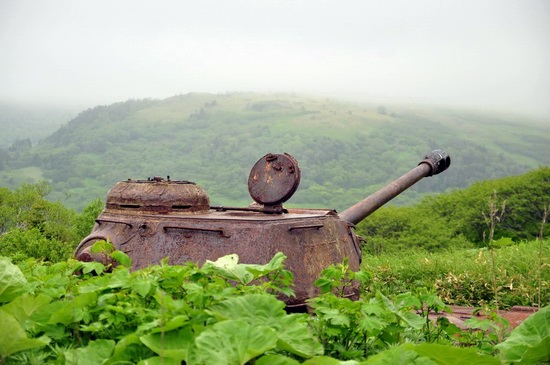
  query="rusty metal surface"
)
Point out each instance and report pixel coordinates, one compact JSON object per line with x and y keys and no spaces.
{"x":438,"y":160}
{"x":311,"y":240}
{"x":157,"y":195}
{"x":274,"y":179}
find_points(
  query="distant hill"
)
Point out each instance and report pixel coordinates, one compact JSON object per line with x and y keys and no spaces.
{"x":30,"y":122}
{"x":345,"y":150}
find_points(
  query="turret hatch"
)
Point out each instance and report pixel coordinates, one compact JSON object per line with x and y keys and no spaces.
{"x":157,"y":195}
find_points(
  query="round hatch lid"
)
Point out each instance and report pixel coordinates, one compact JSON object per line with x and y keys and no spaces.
{"x":273,"y":179}
{"x":157,"y":195}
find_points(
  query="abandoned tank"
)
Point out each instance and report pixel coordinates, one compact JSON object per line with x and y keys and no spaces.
{"x":156,"y":218}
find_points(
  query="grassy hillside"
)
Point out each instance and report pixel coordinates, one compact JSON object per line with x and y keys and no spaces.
{"x":345,"y":150}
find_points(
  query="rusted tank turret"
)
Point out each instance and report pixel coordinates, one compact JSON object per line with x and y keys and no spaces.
{"x":158,"y":218}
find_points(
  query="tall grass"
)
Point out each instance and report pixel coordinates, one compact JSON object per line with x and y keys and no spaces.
{"x":494,"y":217}
{"x":541,"y":240}
{"x":465,"y":277}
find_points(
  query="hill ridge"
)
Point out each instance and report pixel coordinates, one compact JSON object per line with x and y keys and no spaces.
{"x":345,"y":150}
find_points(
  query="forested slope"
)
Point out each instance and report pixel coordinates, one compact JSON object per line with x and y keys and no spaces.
{"x":345,"y":150}
{"x":515,"y":205}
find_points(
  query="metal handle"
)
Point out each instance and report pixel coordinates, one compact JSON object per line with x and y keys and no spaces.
{"x":318,"y":226}
{"x":219,"y":230}
{"x":99,"y":221}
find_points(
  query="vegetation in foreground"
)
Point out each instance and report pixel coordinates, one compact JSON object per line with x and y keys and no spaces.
{"x":228,"y":313}
{"x":464,"y":277}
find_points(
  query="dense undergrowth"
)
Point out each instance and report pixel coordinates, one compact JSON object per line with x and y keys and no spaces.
{"x":229,"y":313}
{"x":459,"y":219}
{"x":463,"y":277}
{"x":31,"y":226}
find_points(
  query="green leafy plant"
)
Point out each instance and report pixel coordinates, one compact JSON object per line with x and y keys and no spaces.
{"x":428,"y":305}
{"x":484,"y":332}
{"x":460,"y":277}
{"x":271,"y":277}
{"x":430,"y":354}
{"x":224,"y":312}
{"x":357,"y":329}
{"x":32,"y":226}
{"x":81,"y":311}
{"x":338,"y":277}
{"x":529,"y":343}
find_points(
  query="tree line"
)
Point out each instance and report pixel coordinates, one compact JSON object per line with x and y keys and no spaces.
{"x":461,"y":218}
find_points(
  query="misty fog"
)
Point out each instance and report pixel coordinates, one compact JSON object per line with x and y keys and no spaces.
{"x":482,"y":54}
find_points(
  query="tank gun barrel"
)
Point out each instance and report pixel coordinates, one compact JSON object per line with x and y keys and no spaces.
{"x":434,"y":163}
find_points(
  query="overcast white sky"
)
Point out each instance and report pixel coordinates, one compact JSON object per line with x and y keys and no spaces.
{"x":489,"y":54}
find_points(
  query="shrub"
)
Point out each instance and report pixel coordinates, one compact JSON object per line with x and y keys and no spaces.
{"x":22,"y":244}
{"x":463,"y":277}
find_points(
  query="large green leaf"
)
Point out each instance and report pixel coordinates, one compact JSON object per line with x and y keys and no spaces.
{"x":430,"y":354}
{"x":233,"y":342}
{"x":157,"y":360}
{"x":371,"y":324}
{"x":25,"y":305}
{"x":276,"y":360}
{"x":127,"y":349}
{"x":228,"y":267}
{"x":96,"y":353}
{"x":411,"y":319}
{"x":122,"y":258}
{"x":253,"y":308}
{"x":274,"y":264}
{"x":334,"y":316}
{"x":449,"y":355}
{"x":295,"y":337}
{"x":141,"y":285}
{"x":398,"y":355}
{"x":173,"y":344}
{"x":43,"y":314}
{"x":325,"y":360}
{"x":73,"y":310}
{"x":529,"y":343}
{"x":12,"y":280}
{"x":13,"y":338}
{"x":265,"y":310}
